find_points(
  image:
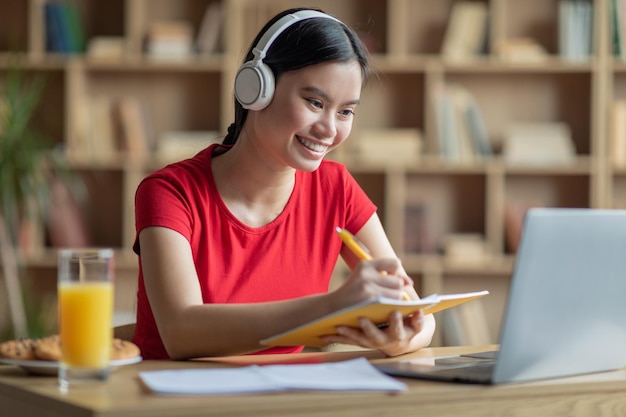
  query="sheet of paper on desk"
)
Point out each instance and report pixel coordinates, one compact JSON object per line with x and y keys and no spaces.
{"x":353,"y":375}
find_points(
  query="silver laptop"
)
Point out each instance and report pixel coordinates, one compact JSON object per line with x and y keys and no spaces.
{"x":566,"y":309}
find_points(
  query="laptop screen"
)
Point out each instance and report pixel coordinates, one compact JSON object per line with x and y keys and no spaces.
{"x":566,"y":312}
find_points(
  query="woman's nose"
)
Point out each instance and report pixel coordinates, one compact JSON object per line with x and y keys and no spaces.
{"x":325,"y":127}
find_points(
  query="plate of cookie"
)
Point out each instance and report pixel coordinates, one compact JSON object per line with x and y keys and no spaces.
{"x":41,"y":356}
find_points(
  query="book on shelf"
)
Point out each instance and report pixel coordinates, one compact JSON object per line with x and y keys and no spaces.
{"x":460,"y":129}
{"x":102,"y":141}
{"x":94,"y":138}
{"x":617,"y":131}
{"x":575,"y":29}
{"x":66,"y":222}
{"x":617,"y":27}
{"x":377,"y":310}
{"x":417,"y":231}
{"x":74,"y":23}
{"x":133,"y":127}
{"x":445,"y":126}
{"x":466,"y":33}
{"x":56,"y":37}
{"x":210,"y":30}
{"x":77,"y":145}
{"x":63,"y":28}
{"x":473,"y":116}
{"x":539,"y":144}
{"x":472,"y":124}
{"x":464,"y":143}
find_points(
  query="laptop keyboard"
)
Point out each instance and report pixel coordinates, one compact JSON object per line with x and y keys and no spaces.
{"x":479,"y":373}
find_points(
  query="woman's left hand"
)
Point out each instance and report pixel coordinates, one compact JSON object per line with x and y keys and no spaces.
{"x":398,"y":337}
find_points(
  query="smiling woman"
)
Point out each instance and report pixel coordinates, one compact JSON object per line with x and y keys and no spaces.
{"x":310,"y":115}
{"x":238,"y":243}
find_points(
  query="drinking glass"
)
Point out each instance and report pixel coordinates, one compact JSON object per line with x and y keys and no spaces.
{"x":85,"y":298}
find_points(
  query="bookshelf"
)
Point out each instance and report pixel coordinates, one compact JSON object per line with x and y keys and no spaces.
{"x":421,"y":202}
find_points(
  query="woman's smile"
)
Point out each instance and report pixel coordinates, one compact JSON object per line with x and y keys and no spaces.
{"x":313,"y":146}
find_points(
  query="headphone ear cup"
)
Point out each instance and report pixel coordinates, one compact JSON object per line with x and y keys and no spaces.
{"x":254,"y":85}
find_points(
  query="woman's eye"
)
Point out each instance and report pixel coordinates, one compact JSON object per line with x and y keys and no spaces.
{"x":347,"y":112}
{"x":314,"y":103}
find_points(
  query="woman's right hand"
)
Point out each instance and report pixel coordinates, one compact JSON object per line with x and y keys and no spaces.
{"x":371,"y":279}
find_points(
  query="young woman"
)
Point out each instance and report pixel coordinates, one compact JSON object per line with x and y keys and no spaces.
{"x":238,"y":243}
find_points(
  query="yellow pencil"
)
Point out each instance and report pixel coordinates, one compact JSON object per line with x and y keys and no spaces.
{"x":358,"y":248}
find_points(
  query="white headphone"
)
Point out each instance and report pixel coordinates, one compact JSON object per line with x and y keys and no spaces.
{"x":254,"y":82}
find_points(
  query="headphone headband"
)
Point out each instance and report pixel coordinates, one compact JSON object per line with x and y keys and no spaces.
{"x":254,"y":82}
{"x":268,"y":38}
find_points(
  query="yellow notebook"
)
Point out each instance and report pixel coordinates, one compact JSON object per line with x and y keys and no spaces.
{"x":377,"y":310}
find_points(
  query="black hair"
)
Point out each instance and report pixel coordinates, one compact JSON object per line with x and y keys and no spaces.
{"x":305,"y":43}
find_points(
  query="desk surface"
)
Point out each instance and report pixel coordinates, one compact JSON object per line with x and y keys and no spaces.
{"x":601,"y":394}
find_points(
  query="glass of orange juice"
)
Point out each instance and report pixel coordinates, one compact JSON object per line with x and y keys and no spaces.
{"x":85,"y":300}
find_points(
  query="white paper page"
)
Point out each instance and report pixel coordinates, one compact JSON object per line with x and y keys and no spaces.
{"x":208,"y":381}
{"x":353,"y":375}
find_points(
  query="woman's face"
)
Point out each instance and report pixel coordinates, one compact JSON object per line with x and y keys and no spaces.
{"x":311,"y":114}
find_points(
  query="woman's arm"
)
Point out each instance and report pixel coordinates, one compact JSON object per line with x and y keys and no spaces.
{"x":190,"y":328}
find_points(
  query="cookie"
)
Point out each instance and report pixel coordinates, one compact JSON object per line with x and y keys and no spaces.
{"x":48,"y":348}
{"x":22,"y":349}
{"x":123,"y":349}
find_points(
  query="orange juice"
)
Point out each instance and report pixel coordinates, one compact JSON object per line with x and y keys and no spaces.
{"x":86,"y":313}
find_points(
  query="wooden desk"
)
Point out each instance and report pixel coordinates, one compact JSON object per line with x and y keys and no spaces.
{"x":590,"y":395}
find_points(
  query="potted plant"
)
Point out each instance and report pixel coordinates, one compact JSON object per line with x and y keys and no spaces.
{"x":24,"y":159}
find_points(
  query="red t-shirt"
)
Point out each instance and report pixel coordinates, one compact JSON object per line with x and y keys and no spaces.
{"x":293,"y":256}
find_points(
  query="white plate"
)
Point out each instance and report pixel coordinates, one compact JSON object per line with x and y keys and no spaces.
{"x":52,"y":367}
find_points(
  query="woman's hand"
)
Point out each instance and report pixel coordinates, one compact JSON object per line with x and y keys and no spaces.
{"x":398,"y":337}
{"x":382,"y":277}
{"x":371,"y":279}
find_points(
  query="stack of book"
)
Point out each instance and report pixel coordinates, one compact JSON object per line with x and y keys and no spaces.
{"x":389,"y":146}
{"x":539,"y":144}
{"x":170,"y":40}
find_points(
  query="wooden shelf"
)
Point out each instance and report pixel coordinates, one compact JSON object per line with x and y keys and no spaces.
{"x":406,"y":37}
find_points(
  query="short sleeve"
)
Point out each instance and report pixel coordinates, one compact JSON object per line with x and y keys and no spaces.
{"x":160,"y":201}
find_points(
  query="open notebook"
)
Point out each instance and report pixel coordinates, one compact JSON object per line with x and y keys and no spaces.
{"x":566,"y":313}
{"x":377,"y":310}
